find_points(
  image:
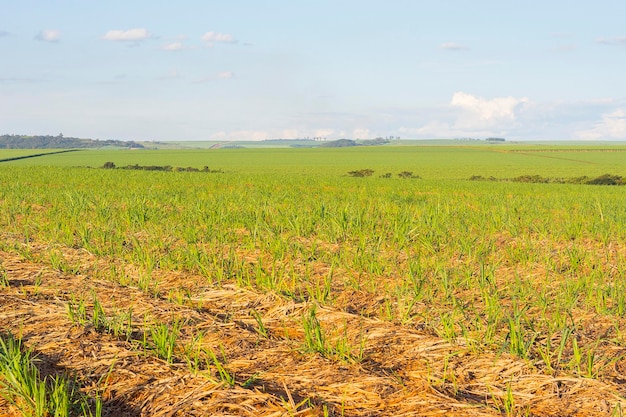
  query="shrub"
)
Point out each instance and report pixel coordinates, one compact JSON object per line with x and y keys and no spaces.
{"x":531,"y":178}
{"x":407,"y":174}
{"x":361,"y":173}
{"x":606,"y":179}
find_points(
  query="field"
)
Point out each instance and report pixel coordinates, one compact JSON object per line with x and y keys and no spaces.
{"x":279,"y":284}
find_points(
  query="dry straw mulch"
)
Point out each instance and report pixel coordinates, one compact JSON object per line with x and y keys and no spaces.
{"x":400,"y":371}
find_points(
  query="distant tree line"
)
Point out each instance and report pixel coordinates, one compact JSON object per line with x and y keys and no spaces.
{"x":344,"y":143}
{"x":59,"y":142}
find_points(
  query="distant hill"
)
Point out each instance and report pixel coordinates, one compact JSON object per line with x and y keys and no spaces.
{"x":341,"y":143}
{"x":344,"y":143}
{"x":59,"y":142}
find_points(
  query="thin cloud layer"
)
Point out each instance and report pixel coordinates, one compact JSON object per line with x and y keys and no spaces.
{"x":211,"y":38}
{"x":241,"y":135}
{"x":225,"y":74}
{"x":453,"y":46}
{"x":173,"y":46}
{"x":322,"y":133}
{"x":361,"y":133}
{"x":617,"y":40}
{"x":564,"y":48}
{"x":130,"y":35}
{"x":171,"y":75}
{"x":280,"y":134}
{"x":49,"y":35}
{"x":469,"y":79}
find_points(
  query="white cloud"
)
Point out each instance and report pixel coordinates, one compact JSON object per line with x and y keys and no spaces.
{"x":171,"y":75}
{"x":130,"y":35}
{"x":49,"y":35}
{"x":226,"y":75}
{"x":486,"y":111}
{"x":467,"y":115}
{"x":453,"y":46}
{"x":211,"y":38}
{"x":173,"y":46}
{"x":612,"y":126}
{"x":617,"y":40}
{"x":4,"y":33}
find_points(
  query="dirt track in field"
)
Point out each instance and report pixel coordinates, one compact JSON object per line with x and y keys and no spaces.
{"x":395,"y":370}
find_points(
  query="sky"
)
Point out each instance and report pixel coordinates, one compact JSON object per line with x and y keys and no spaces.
{"x":254,"y":70}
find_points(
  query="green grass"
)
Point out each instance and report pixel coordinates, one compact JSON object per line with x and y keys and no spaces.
{"x":434,"y":162}
{"x":511,"y":267}
{"x":14,"y":153}
{"x":22,"y":385}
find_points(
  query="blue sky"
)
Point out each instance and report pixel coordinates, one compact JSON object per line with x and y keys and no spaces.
{"x":241,"y":69}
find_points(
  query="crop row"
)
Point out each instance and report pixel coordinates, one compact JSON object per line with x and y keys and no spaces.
{"x":531,"y":270}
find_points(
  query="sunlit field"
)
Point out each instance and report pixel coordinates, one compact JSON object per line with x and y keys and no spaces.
{"x":433,"y":162}
{"x":281,"y":283}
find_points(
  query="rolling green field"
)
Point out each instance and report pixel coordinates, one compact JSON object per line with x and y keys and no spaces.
{"x":433,"y":162}
{"x":287,"y":285}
